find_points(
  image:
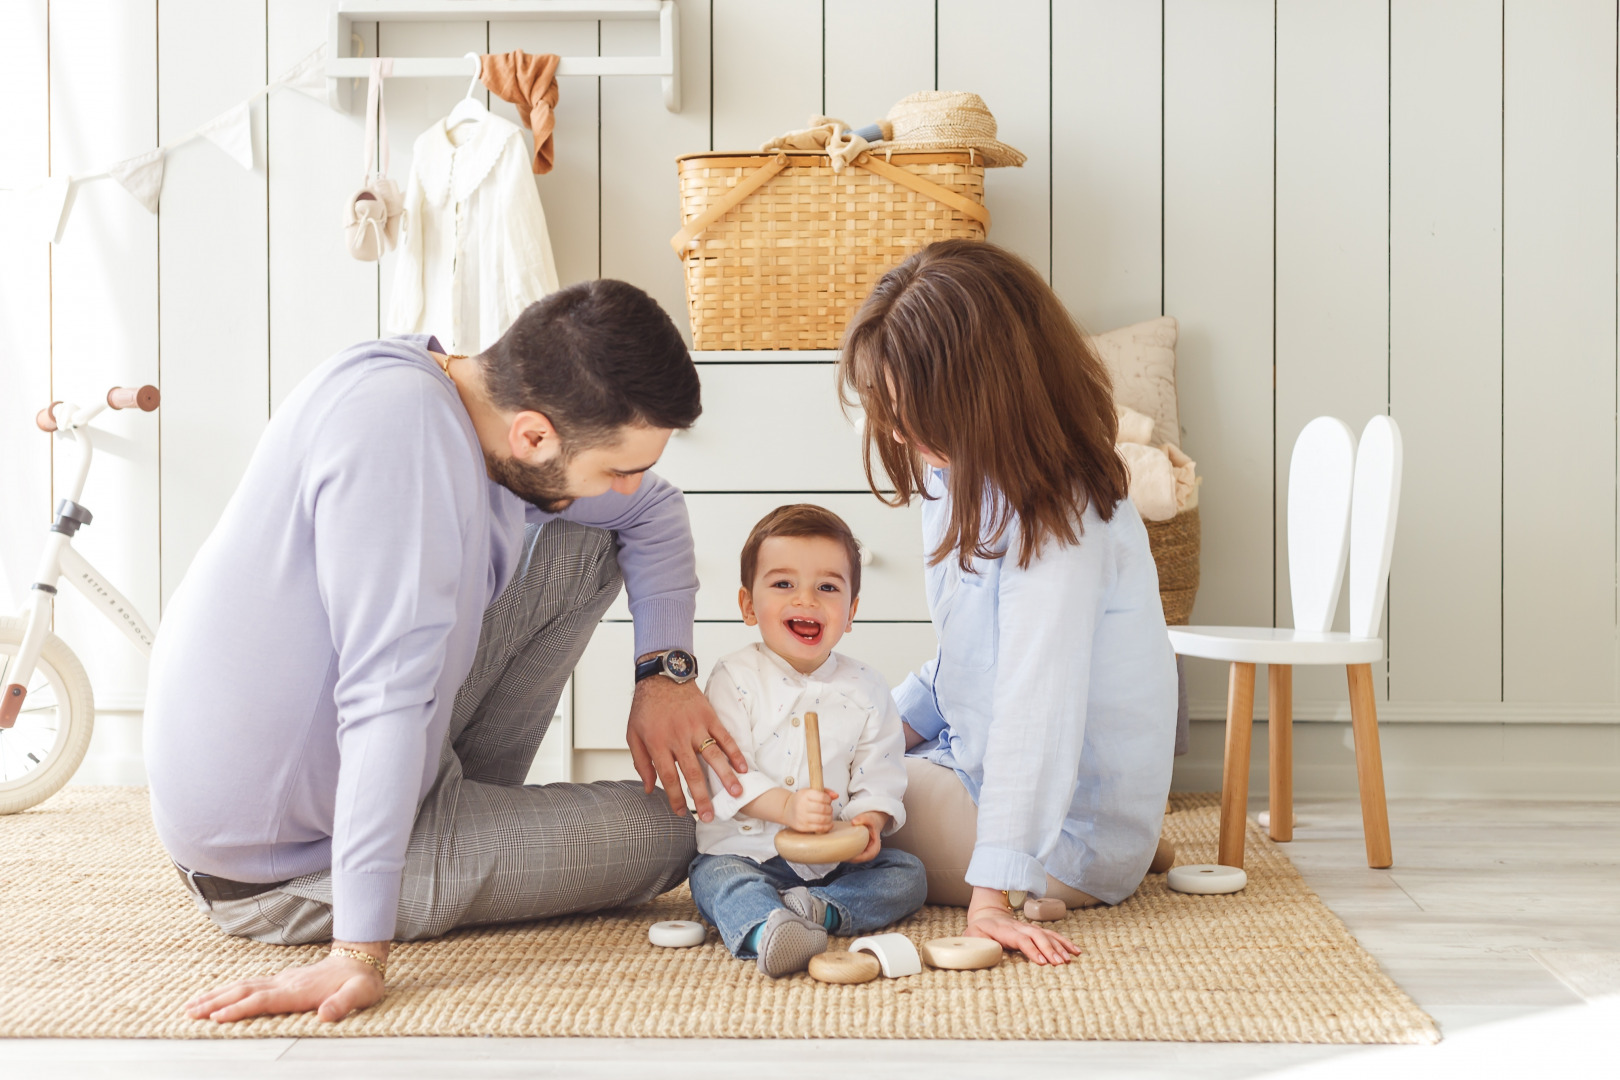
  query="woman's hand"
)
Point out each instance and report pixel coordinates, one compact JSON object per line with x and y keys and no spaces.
{"x":875,"y":821}
{"x":989,"y":917}
{"x":809,"y":811}
{"x":332,"y":988}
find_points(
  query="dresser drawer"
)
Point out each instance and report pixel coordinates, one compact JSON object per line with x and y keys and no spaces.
{"x":891,"y":583}
{"x":604,"y":679}
{"x":767,"y":427}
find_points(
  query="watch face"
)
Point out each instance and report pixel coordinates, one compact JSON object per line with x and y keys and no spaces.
{"x":680,"y":664}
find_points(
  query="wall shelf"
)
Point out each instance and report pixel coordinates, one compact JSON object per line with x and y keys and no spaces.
{"x":341,"y":67}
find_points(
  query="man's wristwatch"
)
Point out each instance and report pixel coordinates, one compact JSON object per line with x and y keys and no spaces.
{"x":676,"y":664}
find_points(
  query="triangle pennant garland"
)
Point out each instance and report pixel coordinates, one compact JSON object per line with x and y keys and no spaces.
{"x":142,"y":177}
{"x":232,"y":132}
{"x":45,"y":206}
{"x":308,"y":76}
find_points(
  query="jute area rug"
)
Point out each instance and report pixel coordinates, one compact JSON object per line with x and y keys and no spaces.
{"x":100,"y":940}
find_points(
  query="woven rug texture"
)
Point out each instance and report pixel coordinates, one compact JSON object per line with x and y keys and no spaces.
{"x":101,"y":940}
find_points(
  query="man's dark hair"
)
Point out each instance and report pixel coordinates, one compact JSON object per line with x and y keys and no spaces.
{"x":595,"y":357}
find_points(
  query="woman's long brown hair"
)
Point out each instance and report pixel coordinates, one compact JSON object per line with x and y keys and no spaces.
{"x":965,"y":350}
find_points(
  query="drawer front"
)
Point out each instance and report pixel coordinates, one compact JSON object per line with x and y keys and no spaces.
{"x":767,"y":427}
{"x":891,"y":583}
{"x":604,"y":680}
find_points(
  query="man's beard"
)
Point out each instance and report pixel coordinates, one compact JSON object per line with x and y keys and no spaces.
{"x":545,"y":486}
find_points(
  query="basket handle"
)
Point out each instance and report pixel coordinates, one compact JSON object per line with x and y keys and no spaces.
{"x":750,"y":184}
{"x":934,"y":191}
{"x":888,"y":171}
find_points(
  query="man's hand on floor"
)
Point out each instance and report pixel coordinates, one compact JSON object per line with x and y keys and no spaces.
{"x":332,"y":988}
{"x":669,"y":721}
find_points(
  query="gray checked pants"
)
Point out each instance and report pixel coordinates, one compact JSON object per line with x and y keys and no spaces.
{"x":486,"y":848}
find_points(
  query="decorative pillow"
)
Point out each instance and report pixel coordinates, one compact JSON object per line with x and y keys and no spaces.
{"x":1141,"y":359}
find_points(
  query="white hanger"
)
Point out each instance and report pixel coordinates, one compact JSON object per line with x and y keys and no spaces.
{"x":469,"y":107}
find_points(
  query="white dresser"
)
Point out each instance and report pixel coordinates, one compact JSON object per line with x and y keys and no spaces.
{"x":772,"y":432}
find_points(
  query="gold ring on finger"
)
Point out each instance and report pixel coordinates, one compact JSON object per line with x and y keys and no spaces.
{"x":706,"y":744}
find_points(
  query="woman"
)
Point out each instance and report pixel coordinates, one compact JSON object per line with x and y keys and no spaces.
{"x":1041,"y":735}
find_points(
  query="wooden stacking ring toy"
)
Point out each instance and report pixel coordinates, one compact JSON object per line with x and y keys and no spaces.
{"x":895,"y":953}
{"x":962,"y":953}
{"x":1044,"y":909}
{"x":844,"y":967}
{"x":677,"y":934}
{"x":844,"y":842}
{"x":1207,"y":879}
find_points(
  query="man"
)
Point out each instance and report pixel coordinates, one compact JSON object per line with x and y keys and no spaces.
{"x":353,"y":679}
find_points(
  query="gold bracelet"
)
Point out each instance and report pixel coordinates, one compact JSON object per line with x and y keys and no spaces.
{"x":363,"y":957}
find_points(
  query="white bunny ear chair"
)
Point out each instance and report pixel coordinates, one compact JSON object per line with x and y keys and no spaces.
{"x":371,"y":218}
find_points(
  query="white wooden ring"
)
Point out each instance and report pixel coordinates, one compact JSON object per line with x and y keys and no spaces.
{"x":1207,"y":879}
{"x":962,"y":953}
{"x":677,"y":934}
{"x":895,"y":953}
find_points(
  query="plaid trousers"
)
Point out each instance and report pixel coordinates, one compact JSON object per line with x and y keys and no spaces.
{"x":485,"y":848}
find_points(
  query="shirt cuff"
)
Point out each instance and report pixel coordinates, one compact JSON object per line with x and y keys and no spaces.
{"x":663,"y":622}
{"x":364,"y":905}
{"x":1003,"y":868}
{"x":917,"y":708}
{"x":867,"y":803}
{"x":726,"y":805}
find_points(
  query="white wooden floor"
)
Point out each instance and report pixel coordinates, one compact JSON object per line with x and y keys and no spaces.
{"x":1501,"y":919}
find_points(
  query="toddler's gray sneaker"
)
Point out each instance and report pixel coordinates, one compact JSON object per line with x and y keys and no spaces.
{"x":805,"y":904}
{"x":787,"y":943}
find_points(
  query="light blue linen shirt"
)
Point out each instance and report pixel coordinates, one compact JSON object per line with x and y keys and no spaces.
{"x":302,"y":681}
{"x":1053,"y":696}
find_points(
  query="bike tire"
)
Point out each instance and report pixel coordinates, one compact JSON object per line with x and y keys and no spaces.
{"x":76,"y":712}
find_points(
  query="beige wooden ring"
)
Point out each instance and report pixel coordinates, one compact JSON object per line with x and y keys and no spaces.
{"x":842,"y":844}
{"x":962,"y":953}
{"x":844,"y":967}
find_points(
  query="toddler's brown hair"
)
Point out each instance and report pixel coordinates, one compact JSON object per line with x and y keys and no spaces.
{"x":801,"y":519}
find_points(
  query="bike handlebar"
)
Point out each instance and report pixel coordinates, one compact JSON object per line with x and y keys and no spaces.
{"x":144,"y":398}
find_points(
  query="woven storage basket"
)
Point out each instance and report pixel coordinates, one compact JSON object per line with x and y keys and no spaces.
{"x":1175,"y":545}
{"x":779,"y":250}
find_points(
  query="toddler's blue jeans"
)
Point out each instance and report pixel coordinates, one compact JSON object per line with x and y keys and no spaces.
{"x":736,"y":894}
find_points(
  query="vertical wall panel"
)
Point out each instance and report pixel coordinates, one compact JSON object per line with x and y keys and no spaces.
{"x":569,"y":192}
{"x":640,"y":141}
{"x":1003,"y":53}
{"x":767,"y":69}
{"x":321,"y":300}
{"x":104,"y":314}
{"x":861,"y":85}
{"x":1218,"y":283}
{"x":1445,"y":301}
{"x":25,"y":300}
{"x":1332,"y":246}
{"x":214,"y":290}
{"x":1558,"y":417}
{"x":1107,"y":106}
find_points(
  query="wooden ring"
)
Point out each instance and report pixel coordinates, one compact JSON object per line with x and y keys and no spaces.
{"x":962,"y":953}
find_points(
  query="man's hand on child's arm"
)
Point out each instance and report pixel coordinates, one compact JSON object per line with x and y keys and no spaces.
{"x":805,"y":811}
{"x":876,"y":821}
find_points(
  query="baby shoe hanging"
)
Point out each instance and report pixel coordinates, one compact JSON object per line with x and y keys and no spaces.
{"x":371,"y":218}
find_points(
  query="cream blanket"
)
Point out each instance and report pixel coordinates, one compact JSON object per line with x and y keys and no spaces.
{"x":1162,"y":478}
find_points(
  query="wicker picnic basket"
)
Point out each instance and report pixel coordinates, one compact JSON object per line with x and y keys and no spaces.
{"x":779,"y":250}
{"x":1175,"y":546}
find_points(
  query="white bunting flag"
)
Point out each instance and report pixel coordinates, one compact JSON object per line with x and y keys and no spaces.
{"x":142,"y":177}
{"x":232,"y":132}
{"x":308,"y":76}
{"x":43,"y":207}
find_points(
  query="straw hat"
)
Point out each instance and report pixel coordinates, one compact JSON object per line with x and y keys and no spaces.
{"x":946,"y":120}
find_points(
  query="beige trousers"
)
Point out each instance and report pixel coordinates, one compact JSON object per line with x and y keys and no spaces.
{"x":942,"y":825}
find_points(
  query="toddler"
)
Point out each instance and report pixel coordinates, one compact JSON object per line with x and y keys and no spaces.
{"x":801,"y":580}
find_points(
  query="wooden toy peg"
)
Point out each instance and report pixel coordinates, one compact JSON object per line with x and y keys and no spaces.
{"x":844,"y":842}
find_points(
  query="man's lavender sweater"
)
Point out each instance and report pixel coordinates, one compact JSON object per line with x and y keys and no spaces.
{"x":302,"y":681}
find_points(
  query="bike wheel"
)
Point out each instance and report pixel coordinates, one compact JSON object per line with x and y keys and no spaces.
{"x":45,"y":747}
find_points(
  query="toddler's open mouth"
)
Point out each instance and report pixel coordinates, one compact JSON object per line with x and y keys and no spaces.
{"x":806,"y":630}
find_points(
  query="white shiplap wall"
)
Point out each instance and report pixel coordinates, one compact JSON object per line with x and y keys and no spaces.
{"x":1351,"y":209}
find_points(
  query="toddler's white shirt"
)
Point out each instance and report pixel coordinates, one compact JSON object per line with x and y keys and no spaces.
{"x":762,"y":699}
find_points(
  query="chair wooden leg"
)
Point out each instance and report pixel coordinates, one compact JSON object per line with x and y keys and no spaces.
{"x":1369,"y":766}
{"x":1235,"y":776}
{"x":1280,"y":736}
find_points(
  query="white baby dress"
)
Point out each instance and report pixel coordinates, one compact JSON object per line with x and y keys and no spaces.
{"x":475,"y":250}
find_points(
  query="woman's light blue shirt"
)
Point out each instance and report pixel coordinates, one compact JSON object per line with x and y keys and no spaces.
{"x":1053,"y":696}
